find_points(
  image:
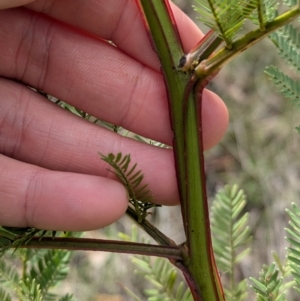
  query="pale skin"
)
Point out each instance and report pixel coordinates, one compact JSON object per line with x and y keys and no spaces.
{"x":50,"y":173}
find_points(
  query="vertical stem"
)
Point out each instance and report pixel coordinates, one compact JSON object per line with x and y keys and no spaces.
{"x":185,"y":112}
{"x":162,"y":31}
{"x":201,"y":259}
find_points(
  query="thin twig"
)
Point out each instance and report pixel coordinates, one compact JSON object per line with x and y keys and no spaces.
{"x":157,"y":235}
{"x":88,"y":244}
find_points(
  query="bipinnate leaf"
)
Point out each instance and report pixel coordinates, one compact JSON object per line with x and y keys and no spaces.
{"x":230,"y":235}
{"x":49,"y":270}
{"x":227,"y":17}
{"x":139,"y":196}
{"x":294,"y":240}
{"x":8,"y":274}
{"x":287,"y":40}
{"x":287,"y":86}
{"x":267,"y":287}
{"x":29,"y":290}
{"x":43,"y":269}
{"x":160,"y":274}
{"x":162,"y":277}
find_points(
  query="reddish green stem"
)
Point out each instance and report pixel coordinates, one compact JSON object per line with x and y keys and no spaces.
{"x":88,"y":244}
{"x":198,"y":266}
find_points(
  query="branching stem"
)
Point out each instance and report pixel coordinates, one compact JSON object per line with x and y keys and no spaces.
{"x":224,"y":55}
{"x":88,"y":244}
{"x":199,"y":267}
{"x":195,"y":258}
{"x":157,"y":235}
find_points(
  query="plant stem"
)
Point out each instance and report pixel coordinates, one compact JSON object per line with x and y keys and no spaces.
{"x":199,"y":243}
{"x":199,"y":266}
{"x":158,"y":236}
{"x":162,"y":31}
{"x":88,"y":244}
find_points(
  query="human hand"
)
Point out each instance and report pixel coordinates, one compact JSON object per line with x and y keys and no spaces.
{"x":50,"y":173}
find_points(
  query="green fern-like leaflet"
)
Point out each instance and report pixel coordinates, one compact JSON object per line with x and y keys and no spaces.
{"x":231,"y":237}
{"x":15,"y":237}
{"x":294,"y":240}
{"x":227,"y":17}
{"x":41,"y":271}
{"x":139,"y":196}
{"x":267,"y":287}
{"x":287,"y":40}
{"x":164,"y":282}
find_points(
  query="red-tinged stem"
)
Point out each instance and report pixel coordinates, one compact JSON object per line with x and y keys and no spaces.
{"x":88,"y":244}
{"x":201,"y":264}
{"x":194,"y":288}
{"x":197,"y":264}
{"x":159,"y":26}
{"x":159,"y":22}
{"x":198,"y":95}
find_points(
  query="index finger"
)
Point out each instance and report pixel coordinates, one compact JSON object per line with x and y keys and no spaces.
{"x":105,"y":82}
{"x":117,"y":21}
{"x":120,"y":22}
